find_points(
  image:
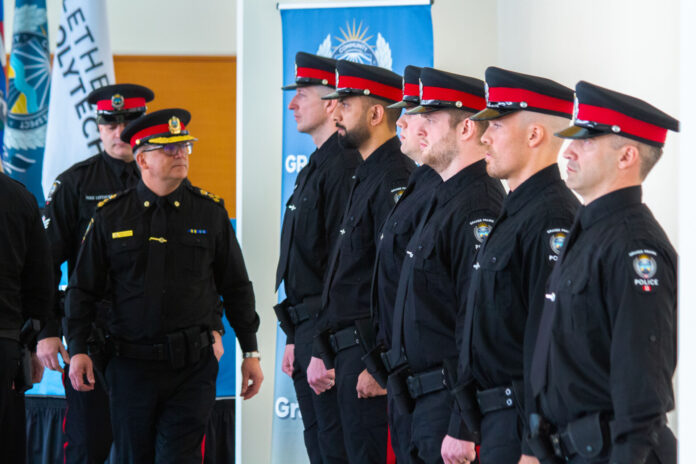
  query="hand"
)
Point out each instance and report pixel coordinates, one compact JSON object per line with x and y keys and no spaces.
{"x":318,"y":377}
{"x":37,"y":369}
{"x":457,"y":451}
{"x":288,"y":359}
{"x":47,"y":351}
{"x":218,"y":349}
{"x":524,"y":459}
{"x":81,"y":366}
{"x":251,"y":371}
{"x":368,"y":387}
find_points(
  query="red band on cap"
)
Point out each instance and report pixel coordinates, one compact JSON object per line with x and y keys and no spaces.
{"x":627,"y":124}
{"x":375,"y":88}
{"x":533,"y":99}
{"x":128,"y":103}
{"x":317,"y":74}
{"x":152,"y":130}
{"x":411,"y":90}
{"x":444,"y":94}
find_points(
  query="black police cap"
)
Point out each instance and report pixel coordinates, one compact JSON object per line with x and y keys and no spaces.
{"x":354,"y":79}
{"x":120,"y":102}
{"x":410,"y":90}
{"x":313,"y":70}
{"x":158,"y":128}
{"x":509,"y":91}
{"x":442,"y":89}
{"x":599,"y":111}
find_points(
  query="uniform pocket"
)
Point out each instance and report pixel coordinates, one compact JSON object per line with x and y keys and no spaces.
{"x":196,"y":254}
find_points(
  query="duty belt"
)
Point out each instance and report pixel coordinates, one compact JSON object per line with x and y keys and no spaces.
{"x":585,"y":436}
{"x":167,"y":351}
{"x":426,"y":382}
{"x":344,"y":339}
{"x":495,"y":399}
{"x":299,"y":314}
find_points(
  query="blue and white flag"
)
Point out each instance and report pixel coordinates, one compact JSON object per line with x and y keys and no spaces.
{"x":390,"y":34}
{"x":29,"y":75}
{"x":82,"y":62}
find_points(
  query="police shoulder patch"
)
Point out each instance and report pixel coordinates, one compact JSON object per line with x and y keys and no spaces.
{"x":644,"y":270}
{"x":555,"y":239}
{"x":397,"y":192}
{"x":481,"y":228}
{"x":52,"y":191}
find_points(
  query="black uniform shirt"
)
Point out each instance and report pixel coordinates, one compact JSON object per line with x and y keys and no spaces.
{"x":379,"y":182}
{"x":312,"y":216}
{"x":614,"y":331}
{"x":391,"y":248}
{"x":70,"y":206}
{"x":510,"y":274}
{"x":26,"y":280}
{"x":203,"y":261}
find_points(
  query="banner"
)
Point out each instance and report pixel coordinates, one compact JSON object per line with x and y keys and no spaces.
{"x":29,"y":74}
{"x":82,"y":62}
{"x":389,"y":34}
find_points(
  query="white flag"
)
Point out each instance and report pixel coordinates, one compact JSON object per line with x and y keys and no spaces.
{"x":82,"y":62}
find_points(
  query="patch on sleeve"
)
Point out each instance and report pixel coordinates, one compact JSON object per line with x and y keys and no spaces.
{"x":644,"y":265}
{"x":481,"y":227}
{"x":556,"y":238}
{"x":89,"y":227}
{"x":397,"y":192}
{"x":52,"y":192}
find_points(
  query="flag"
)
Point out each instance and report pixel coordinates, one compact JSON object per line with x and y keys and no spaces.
{"x":82,"y":62}
{"x":27,"y":100}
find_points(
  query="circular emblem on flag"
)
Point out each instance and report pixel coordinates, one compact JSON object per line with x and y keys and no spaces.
{"x":481,"y":231}
{"x":117,"y":101}
{"x":645,"y":266}
{"x":355,"y":46}
{"x":556,"y":242}
{"x":174,"y":125}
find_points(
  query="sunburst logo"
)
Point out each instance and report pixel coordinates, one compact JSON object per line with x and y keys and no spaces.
{"x":354,"y":44}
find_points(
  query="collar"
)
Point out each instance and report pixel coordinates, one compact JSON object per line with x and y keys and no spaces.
{"x":609,"y":205}
{"x":329,"y":148}
{"x":531,"y":188}
{"x":456,"y":183}
{"x":148,"y":198}
{"x":117,"y":166}
{"x":379,"y":156}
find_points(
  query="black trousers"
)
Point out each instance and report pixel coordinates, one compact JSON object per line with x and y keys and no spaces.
{"x":666,"y":452}
{"x":430,"y":418}
{"x":501,"y":437}
{"x":323,"y":435}
{"x":159,"y":414}
{"x":12,"y":416}
{"x":364,"y":420}
{"x":400,"y":431}
{"x":87,"y":425}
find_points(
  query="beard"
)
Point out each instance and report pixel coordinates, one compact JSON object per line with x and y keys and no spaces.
{"x":354,"y":138}
{"x":440,"y":155}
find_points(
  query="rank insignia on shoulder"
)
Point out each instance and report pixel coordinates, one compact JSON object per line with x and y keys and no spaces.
{"x":556,"y":240}
{"x":481,"y":228}
{"x":122,"y":234}
{"x":645,"y":266}
{"x":397,"y":192}
{"x":212,"y":196}
{"x":89,"y":227}
{"x":198,"y":231}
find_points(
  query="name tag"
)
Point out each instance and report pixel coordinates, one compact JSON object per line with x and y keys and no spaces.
{"x":122,"y":234}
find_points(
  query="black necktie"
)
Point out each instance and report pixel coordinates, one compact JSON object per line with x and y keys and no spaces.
{"x":129,"y":176}
{"x":155,"y":267}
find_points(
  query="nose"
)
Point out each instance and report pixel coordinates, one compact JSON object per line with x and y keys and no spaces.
{"x":571,"y":152}
{"x":485,"y":138}
{"x":293,"y":104}
{"x":401,"y":122}
{"x":119,"y":129}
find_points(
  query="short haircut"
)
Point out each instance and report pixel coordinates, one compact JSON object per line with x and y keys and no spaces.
{"x":391,"y":114}
{"x":457,"y":116}
{"x":649,"y":155}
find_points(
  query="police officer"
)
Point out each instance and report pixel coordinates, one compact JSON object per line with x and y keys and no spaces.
{"x":312,"y":217}
{"x":363,"y":122}
{"x":606,"y":347}
{"x":512,"y":266}
{"x":69,"y":207}
{"x":391,"y":248}
{"x":163,"y":253}
{"x":439,"y":256}
{"x":26,"y":292}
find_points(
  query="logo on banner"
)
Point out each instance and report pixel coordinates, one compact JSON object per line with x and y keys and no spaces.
{"x":355,"y":45}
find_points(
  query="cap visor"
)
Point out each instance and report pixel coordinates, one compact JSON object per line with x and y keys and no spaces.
{"x":420,"y":109}
{"x":577,"y":132}
{"x":490,"y":113}
{"x":168,"y":140}
{"x":333,"y":96}
{"x":399,"y":105}
{"x":289,"y":87}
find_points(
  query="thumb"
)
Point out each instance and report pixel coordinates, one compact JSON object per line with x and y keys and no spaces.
{"x":64,"y":354}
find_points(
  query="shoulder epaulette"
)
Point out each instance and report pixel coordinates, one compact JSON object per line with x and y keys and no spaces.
{"x":206,"y":194}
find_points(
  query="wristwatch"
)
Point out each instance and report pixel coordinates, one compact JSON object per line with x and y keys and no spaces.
{"x":252,"y":354}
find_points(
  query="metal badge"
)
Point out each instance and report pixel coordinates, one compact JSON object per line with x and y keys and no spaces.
{"x":174,"y":125}
{"x":117,"y":101}
{"x":615,"y":129}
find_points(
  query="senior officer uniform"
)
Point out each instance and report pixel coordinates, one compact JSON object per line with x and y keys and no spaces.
{"x":312,"y":217}
{"x":378,"y":184}
{"x":510,"y":272}
{"x":432,"y":289}
{"x":69,"y":207}
{"x":606,"y":350}
{"x":396,"y":232}
{"x":168,"y":260}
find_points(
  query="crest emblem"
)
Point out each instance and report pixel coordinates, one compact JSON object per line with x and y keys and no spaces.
{"x":420,"y":88}
{"x":354,"y":45}
{"x":174,"y":125}
{"x":576,"y":108}
{"x":556,"y":242}
{"x":485,"y":87}
{"x":397,"y":193}
{"x":481,"y":231}
{"x":645,"y":266}
{"x":117,"y":101}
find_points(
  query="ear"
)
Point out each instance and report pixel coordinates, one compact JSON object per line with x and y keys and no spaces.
{"x":141,"y":160}
{"x":466,"y":130}
{"x":330,"y":106}
{"x":535,"y":135}
{"x":629,"y":157}
{"x":375,"y":114}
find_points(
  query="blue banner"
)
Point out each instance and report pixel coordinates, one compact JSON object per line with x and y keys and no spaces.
{"x":387,"y":36}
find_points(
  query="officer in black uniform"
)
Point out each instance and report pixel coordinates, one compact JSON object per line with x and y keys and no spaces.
{"x":607,"y":344}
{"x":312,"y":217}
{"x":432,"y":287}
{"x":363,"y":122}
{"x":69,"y":207}
{"x":26,"y":292}
{"x":163,"y":253}
{"x":512,"y":266}
{"x":391,"y":248}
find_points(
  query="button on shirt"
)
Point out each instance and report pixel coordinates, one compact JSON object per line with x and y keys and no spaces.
{"x":312,"y":218}
{"x":391,"y":247}
{"x":379,"y":182}
{"x":203,"y":261}
{"x":613,"y":298}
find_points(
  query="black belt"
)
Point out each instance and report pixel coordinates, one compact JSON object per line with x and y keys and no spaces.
{"x":426,"y":382}
{"x":155,"y":352}
{"x":585,"y":436}
{"x":299,"y":314}
{"x":344,"y":339}
{"x":495,"y":399}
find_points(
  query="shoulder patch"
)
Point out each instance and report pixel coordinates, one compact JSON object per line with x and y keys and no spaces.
{"x":644,"y":267}
{"x":205,"y":194}
{"x":397,"y":192}
{"x":481,"y":228}
{"x":52,"y":191}
{"x":556,"y":238}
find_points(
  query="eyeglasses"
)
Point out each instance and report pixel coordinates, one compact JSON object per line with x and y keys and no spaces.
{"x":172,"y":149}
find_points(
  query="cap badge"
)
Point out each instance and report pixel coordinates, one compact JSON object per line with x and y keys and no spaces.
{"x":325,"y":81}
{"x":458,"y":104}
{"x":616,"y":129}
{"x":420,"y":88}
{"x":337,"y":86}
{"x":366,"y":92}
{"x":174,"y":125}
{"x":485,"y":87}
{"x":523,"y":104}
{"x":576,"y":108}
{"x":117,"y":101}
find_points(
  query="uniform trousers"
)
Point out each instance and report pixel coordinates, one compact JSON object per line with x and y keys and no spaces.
{"x":159,"y":413}
{"x":501,"y":437}
{"x":666,"y":452}
{"x":430,"y":421}
{"x":400,"y":428}
{"x":12,"y":415}
{"x":323,"y":435}
{"x":364,"y":420}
